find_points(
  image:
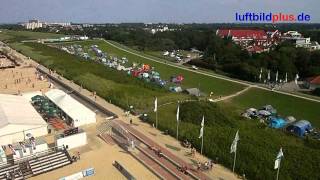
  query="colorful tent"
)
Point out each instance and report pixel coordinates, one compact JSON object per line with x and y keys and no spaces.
{"x":177,"y":79}
{"x":300,"y":128}
{"x":277,"y":122}
{"x":146,"y":67}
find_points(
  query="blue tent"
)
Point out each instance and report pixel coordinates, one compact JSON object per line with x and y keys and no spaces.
{"x":277,"y":122}
{"x":299,"y":128}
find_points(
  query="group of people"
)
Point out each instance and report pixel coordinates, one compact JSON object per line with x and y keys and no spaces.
{"x":76,"y":157}
{"x":12,"y":174}
{"x":184,"y":169}
{"x":157,"y":151}
{"x":205,"y":166}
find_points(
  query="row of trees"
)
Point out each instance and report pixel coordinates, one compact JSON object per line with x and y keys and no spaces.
{"x":222,"y":54}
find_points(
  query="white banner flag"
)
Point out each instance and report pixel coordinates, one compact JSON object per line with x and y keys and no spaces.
{"x":286,"y":80}
{"x":202,"y":126}
{"x":178,"y":111}
{"x":260,"y":75}
{"x":202,"y":122}
{"x":278,"y":159}
{"x":269,"y":75}
{"x":296,"y":79}
{"x":277,"y":74}
{"x":155,"y":105}
{"x":234,"y":144}
{"x":201,"y":133}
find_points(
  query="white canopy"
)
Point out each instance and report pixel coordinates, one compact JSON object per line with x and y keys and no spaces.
{"x":79,"y":113}
{"x":17,"y":110}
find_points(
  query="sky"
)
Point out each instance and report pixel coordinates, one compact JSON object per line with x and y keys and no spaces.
{"x":148,"y":11}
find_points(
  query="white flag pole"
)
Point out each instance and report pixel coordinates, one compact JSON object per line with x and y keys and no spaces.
{"x":157,"y":119}
{"x":234,"y":149}
{"x":202,"y":127}
{"x":178,"y":111}
{"x":278,"y":162}
{"x":177,"y":130}
{"x":202,"y":144}
{"x":156,"y":111}
{"x":278,"y":169}
{"x":234,"y":160}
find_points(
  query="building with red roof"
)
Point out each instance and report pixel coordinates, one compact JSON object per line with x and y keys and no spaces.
{"x":312,"y":82}
{"x":242,"y":33}
{"x":253,"y":40}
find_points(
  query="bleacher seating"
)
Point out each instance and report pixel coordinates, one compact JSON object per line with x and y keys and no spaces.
{"x":49,"y":162}
{"x":37,"y":164}
{"x":11,"y":169}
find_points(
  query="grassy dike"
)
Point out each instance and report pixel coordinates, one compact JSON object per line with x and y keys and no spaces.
{"x":258,"y":145}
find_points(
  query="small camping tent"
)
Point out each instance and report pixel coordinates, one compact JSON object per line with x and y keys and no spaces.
{"x":290,"y":119}
{"x":277,"y":122}
{"x":300,"y":128}
{"x":264,"y":113}
{"x":193,"y":91}
{"x":269,"y":108}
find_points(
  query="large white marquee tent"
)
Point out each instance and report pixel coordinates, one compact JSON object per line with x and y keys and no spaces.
{"x":80,"y":114}
{"x":18,"y":118}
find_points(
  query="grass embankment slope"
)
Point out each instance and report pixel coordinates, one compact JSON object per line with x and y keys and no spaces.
{"x":120,"y":88}
{"x":258,"y":145}
{"x":207,"y":84}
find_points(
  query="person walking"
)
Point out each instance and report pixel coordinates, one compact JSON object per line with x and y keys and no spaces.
{"x":78,"y":155}
{"x":199,"y":166}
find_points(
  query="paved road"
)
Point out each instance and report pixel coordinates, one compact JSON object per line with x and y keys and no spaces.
{"x":210,"y":74}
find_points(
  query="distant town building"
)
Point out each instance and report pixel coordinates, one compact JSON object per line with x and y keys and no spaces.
{"x":158,"y":28}
{"x":87,"y":25}
{"x":57,"y":24}
{"x":33,"y":24}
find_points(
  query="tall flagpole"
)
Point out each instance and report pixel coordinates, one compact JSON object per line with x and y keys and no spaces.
{"x":234,"y":160}
{"x":202,"y":142}
{"x":177,"y":116}
{"x":233,"y":149}
{"x":157,"y":119}
{"x":177,"y":129}
{"x":156,"y":110}
{"x":278,"y":169}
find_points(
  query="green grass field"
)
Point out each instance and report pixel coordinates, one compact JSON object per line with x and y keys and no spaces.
{"x":17,"y":36}
{"x":206,"y":84}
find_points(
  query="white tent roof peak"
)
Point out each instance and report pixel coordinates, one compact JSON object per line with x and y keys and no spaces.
{"x":18,"y":110}
{"x":75,"y":110}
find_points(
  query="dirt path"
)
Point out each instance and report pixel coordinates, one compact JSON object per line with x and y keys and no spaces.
{"x":223,"y":98}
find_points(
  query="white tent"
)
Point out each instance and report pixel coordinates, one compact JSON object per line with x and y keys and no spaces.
{"x":18,"y":118}
{"x":80,"y":114}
